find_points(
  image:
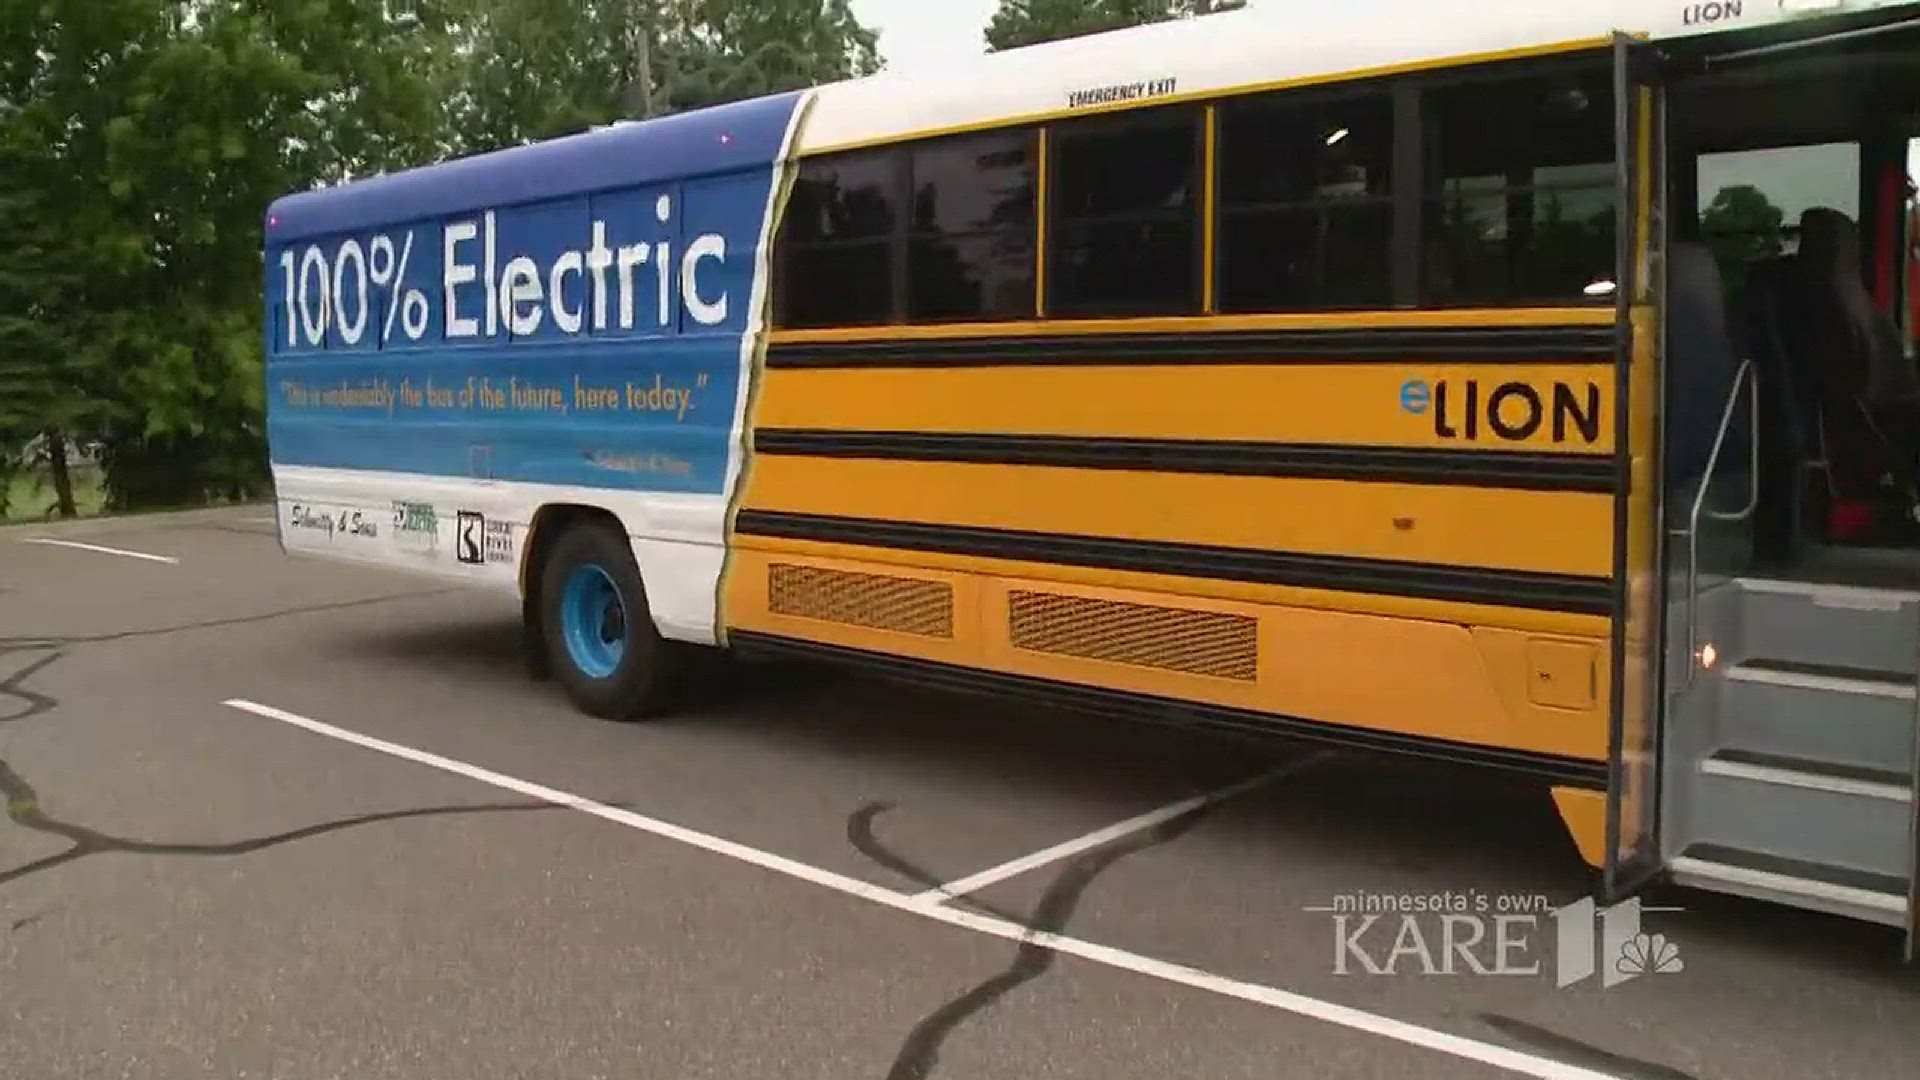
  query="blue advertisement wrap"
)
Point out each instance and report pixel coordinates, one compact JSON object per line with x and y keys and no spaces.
{"x":570,"y":313}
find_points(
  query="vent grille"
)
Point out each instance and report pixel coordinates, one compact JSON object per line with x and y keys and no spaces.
{"x":1170,"y":639}
{"x":875,"y":601}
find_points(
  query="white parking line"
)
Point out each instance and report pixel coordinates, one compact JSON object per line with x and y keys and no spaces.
{"x":1501,"y":1057}
{"x":973,"y":883}
{"x":168,"y":559}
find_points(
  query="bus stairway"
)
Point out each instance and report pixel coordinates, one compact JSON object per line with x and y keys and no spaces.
{"x":1791,"y":760}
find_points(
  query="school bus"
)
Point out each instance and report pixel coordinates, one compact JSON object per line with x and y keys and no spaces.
{"x":1526,"y":388}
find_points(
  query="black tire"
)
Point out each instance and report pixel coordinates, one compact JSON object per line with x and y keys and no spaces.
{"x":533,"y":643}
{"x":644,"y":681}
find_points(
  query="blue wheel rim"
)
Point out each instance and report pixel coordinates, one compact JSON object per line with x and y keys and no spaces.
{"x":593,"y":620}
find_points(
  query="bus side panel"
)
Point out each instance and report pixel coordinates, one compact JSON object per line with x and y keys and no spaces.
{"x":1374,"y":541}
{"x":1536,"y":693}
{"x":434,"y":384}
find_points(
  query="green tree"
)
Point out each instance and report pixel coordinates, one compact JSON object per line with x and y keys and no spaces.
{"x":148,"y":137}
{"x":141,"y":142}
{"x":23,"y":338}
{"x":1019,"y":23}
{"x":528,"y":75}
{"x":726,"y":50}
{"x":384,"y":71}
{"x":1743,"y":223}
{"x":62,"y":68}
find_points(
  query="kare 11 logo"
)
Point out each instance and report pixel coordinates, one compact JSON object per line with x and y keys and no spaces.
{"x":1476,"y":934}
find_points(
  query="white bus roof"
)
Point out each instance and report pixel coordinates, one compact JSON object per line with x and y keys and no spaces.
{"x":1287,"y":41}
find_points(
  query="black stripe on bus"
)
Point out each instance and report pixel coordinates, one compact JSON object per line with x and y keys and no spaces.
{"x":1427,"y":581}
{"x":1521,"y":345}
{"x":1468,"y":468}
{"x":1573,"y":772}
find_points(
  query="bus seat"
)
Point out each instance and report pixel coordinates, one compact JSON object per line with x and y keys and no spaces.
{"x":1862,"y":357}
{"x":1790,"y":446}
{"x":1844,"y":353}
{"x":1702,"y":359}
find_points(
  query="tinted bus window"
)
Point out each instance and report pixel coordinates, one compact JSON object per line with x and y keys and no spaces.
{"x":1306,"y":203}
{"x":971,"y":253}
{"x":1519,"y":199}
{"x":1123,"y":233}
{"x":836,"y":242}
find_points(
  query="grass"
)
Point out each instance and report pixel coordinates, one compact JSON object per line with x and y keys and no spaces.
{"x":32,"y":497}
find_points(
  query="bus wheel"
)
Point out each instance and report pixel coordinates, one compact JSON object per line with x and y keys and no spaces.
{"x":600,"y":639}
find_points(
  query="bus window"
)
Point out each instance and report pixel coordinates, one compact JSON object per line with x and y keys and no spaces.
{"x":1306,"y":204}
{"x":1123,"y":233}
{"x":971,"y":255}
{"x":1519,"y":201}
{"x":1751,"y":200}
{"x":836,"y":247}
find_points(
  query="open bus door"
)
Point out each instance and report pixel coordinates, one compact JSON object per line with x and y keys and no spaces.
{"x":1905,"y":293}
{"x":1902,"y":297}
{"x":1633,"y":851}
{"x":1683,"y":799}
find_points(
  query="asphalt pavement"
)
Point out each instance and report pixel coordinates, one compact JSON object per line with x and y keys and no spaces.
{"x":280,"y":818}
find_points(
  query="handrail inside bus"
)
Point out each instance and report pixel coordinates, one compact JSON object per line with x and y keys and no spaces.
{"x":1744,"y":374}
{"x":1753,"y":427}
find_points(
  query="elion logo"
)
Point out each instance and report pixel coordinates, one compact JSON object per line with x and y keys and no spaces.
{"x":1509,"y":412}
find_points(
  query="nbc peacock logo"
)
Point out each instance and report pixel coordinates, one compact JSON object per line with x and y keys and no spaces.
{"x":1649,"y":954}
{"x":1609,"y":942}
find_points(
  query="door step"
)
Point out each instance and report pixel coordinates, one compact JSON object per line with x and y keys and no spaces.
{"x":1825,"y":678}
{"x":1879,"y":898}
{"x":1786,"y":771}
{"x":1859,"y":597}
{"x":1850,"y":716}
{"x":1830,"y":624}
{"x":1849,"y":817}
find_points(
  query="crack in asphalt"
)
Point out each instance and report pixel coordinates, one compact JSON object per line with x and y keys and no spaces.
{"x":23,"y":809}
{"x":17,"y":644}
{"x":15,"y":685}
{"x":23,"y":804}
{"x":861,"y":835}
{"x":919,"y":1055}
{"x":22,"y":924}
{"x":1574,"y":1052}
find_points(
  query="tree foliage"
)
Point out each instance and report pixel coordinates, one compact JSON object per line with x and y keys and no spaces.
{"x":1018,"y":23}
{"x":529,"y":75}
{"x":141,"y":142}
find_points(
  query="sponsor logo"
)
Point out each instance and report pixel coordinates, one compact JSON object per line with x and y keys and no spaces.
{"x":467,"y":540}
{"x":311,"y":520}
{"x":479,"y":542}
{"x":409,"y":517}
{"x":416,"y":525}
{"x":343,"y":522}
